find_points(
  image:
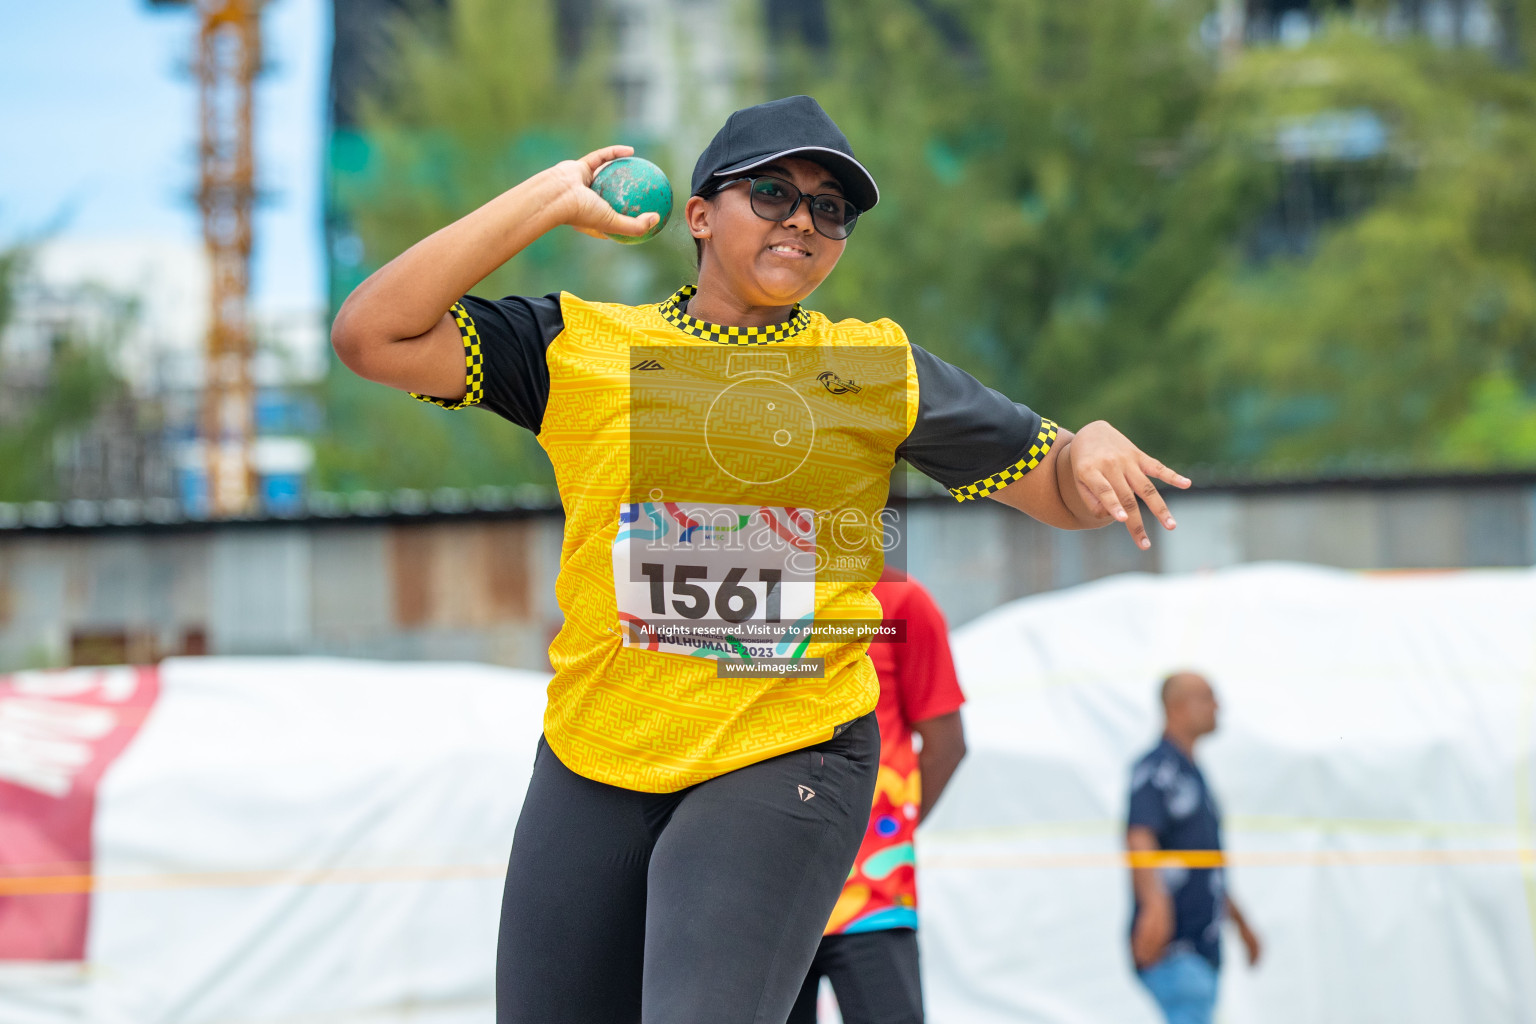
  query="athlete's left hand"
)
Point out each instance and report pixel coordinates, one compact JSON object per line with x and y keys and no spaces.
{"x":1108,"y":473}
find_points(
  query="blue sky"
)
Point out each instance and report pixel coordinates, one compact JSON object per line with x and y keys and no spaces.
{"x":98,"y":131}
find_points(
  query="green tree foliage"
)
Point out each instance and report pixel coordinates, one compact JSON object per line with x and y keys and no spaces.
{"x":80,"y":380}
{"x":1030,"y":226}
{"x":1498,"y":428}
{"x":1080,"y":204}
{"x":1074,"y":203}
{"x":1376,"y":345}
{"x":12,"y":260}
{"x":477,"y":99}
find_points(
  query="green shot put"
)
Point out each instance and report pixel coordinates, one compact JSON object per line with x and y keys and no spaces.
{"x":635,"y":187}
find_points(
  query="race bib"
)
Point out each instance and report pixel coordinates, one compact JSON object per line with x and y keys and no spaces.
{"x":715,"y":581}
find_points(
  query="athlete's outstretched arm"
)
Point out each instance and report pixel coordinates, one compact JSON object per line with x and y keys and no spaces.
{"x":395,"y":327}
{"x":1093,"y":478}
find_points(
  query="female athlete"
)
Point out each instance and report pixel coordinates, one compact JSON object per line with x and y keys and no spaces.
{"x":723,"y":459}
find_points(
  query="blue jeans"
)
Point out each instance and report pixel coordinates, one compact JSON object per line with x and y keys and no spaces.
{"x":1184,"y":985}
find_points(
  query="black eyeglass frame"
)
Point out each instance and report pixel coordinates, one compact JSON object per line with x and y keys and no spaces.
{"x":799,"y":198}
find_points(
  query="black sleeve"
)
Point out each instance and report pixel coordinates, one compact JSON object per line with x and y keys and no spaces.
{"x":968,"y":437}
{"x":504,"y":343}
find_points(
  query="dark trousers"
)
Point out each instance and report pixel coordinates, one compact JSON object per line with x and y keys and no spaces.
{"x":873,"y":974}
{"x":698,"y":907}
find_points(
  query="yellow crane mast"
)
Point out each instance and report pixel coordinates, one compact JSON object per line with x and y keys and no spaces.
{"x":226,"y":65}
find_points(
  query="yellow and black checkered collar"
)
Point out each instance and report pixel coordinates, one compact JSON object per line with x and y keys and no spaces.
{"x":672,"y":311}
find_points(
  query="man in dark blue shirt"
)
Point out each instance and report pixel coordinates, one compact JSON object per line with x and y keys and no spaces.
{"x":1176,"y":926}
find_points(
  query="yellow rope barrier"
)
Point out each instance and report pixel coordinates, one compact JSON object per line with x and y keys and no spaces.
{"x":58,"y":884}
{"x":42,"y":883}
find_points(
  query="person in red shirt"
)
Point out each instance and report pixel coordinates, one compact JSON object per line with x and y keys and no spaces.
{"x":869,"y":950}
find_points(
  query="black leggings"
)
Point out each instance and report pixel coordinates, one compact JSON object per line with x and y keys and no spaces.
{"x":874,"y":976}
{"x":704,"y":906}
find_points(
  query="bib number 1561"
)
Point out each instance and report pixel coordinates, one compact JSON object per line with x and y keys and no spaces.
{"x":733,"y":602}
{"x":713,"y":580}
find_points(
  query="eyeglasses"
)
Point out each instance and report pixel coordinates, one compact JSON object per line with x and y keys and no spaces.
{"x":776,"y":199}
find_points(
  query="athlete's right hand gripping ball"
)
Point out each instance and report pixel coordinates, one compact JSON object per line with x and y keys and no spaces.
{"x":635,"y":187}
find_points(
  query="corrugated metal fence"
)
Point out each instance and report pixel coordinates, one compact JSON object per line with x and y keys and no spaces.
{"x":455,"y":580}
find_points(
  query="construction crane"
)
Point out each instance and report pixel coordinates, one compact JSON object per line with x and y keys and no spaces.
{"x":226,"y":65}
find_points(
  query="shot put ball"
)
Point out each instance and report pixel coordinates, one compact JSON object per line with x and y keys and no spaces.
{"x":634,"y":187}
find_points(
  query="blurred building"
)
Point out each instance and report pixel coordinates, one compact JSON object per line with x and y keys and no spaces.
{"x":133,"y":313}
{"x":1445,"y":22}
{"x":144,"y":298}
{"x":469,"y":575}
{"x":1332,"y":166}
{"x":73,"y":338}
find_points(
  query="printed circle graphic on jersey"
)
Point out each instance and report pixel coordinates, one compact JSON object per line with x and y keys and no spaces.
{"x":759,"y":431}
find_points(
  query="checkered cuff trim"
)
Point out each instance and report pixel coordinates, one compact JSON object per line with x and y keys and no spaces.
{"x":672,"y":312}
{"x":997,"y":481}
{"x":474,"y":364}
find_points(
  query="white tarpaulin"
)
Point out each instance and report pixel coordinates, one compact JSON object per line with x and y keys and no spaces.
{"x":299,"y":840}
{"x":1373,"y":764}
{"x":310,"y":840}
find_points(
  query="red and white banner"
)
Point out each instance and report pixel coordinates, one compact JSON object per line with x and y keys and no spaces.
{"x":285,"y":839}
{"x":59,"y":731}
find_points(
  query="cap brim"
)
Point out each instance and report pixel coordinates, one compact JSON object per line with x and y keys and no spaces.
{"x":858,"y":184}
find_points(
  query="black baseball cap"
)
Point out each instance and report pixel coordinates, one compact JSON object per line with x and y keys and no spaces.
{"x":794,"y":126}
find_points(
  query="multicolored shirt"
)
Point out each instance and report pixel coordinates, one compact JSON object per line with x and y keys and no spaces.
{"x":721,"y":484}
{"x":917,"y":682}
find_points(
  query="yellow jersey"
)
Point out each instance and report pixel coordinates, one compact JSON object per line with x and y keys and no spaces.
{"x":725,"y":493}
